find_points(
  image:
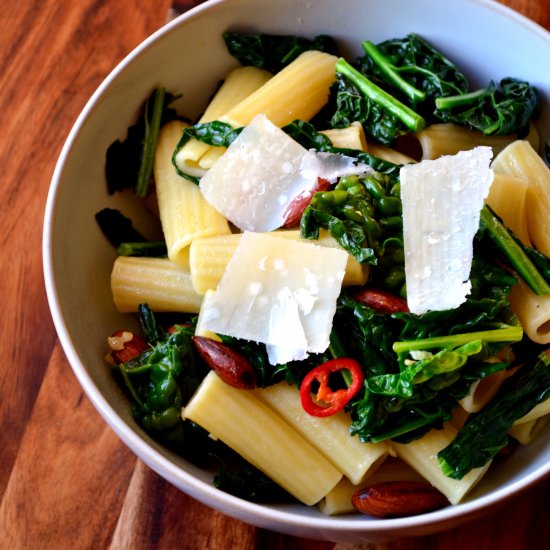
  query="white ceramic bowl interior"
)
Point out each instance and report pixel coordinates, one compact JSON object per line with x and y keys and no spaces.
{"x":188,"y":56}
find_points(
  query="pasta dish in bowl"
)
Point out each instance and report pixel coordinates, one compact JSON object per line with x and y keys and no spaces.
{"x":317,"y":261}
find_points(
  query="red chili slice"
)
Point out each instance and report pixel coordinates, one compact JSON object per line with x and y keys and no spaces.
{"x":335,"y":400}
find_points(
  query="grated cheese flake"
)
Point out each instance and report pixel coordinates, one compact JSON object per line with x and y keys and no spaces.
{"x":280,"y":293}
{"x":263,"y":171}
{"x":442,"y":200}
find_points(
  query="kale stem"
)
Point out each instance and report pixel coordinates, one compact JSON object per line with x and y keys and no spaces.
{"x":153,"y":116}
{"x":451,"y":102}
{"x":337,"y":350}
{"x":508,"y":334}
{"x":386,"y":67}
{"x":410,"y":118}
{"x":513,"y":252}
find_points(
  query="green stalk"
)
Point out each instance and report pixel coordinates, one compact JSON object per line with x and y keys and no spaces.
{"x":406,"y":115}
{"x":337,"y":350}
{"x":386,"y":67}
{"x":153,"y":116}
{"x":446,"y":103}
{"x":508,"y":335}
{"x":514,"y":252}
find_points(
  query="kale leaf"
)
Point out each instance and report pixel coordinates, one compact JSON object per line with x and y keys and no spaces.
{"x":274,"y":52}
{"x":484,"y":433}
{"x":129,"y":163}
{"x":412,"y":70}
{"x":495,"y":110}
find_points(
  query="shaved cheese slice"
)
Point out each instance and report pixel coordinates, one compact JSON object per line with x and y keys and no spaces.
{"x":442,"y":200}
{"x":278,"y":292}
{"x":263,"y":170}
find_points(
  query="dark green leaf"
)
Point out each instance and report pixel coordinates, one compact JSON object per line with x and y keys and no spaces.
{"x":500,"y":110}
{"x":273,"y":52}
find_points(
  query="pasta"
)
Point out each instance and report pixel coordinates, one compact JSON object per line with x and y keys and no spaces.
{"x":519,"y":159}
{"x":526,"y":432}
{"x":533,"y":312}
{"x":448,"y":138}
{"x":328,"y":351}
{"x":352,"y":137}
{"x":507,"y":197}
{"x":184,"y":213}
{"x":482,"y":391}
{"x":338,"y":501}
{"x":238,"y":84}
{"x":238,"y":417}
{"x":421,"y":455}
{"x":329,"y":435}
{"x":209,"y":257}
{"x":160,"y":283}
{"x":298,"y":91}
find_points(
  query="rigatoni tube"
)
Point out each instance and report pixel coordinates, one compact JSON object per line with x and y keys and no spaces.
{"x":160,"y":283}
{"x":208,"y":258}
{"x":521,"y":160}
{"x":239,"y":83}
{"x":328,"y":435}
{"x":184,"y":212}
{"x":257,"y":433}
{"x":421,"y":454}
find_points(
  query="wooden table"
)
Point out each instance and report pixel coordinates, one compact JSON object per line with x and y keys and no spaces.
{"x":66,"y":481}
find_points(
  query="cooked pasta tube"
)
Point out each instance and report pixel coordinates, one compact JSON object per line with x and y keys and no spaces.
{"x":507,"y":196}
{"x":447,"y":138}
{"x":328,"y":435}
{"x":521,"y":160}
{"x":421,"y":455}
{"x":184,"y":213}
{"x":389,"y":154}
{"x":542,"y":409}
{"x":238,"y":84}
{"x":160,"y":283}
{"x":338,"y":501}
{"x":299,"y":90}
{"x":482,"y":391}
{"x":526,"y":432}
{"x":533,"y":311}
{"x":209,"y":257}
{"x":256,"y":432}
{"x":352,"y":137}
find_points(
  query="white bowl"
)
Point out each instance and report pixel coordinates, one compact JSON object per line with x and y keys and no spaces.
{"x":486,"y":39}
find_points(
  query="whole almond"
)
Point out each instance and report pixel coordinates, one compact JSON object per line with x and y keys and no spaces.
{"x":231,"y":366}
{"x":294,"y":211}
{"x":381,"y":301}
{"x":398,"y":499}
{"x":125,"y":345}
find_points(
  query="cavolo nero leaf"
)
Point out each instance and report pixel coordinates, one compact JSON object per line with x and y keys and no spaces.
{"x":496,"y":110}
{"x":484,"y":433}
{"x":129,"y":163}
{"x":413,"y":70}
{"x":274,"y":52}
{"x":358,"y":99}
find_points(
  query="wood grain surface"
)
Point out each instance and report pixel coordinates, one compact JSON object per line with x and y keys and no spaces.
{"x":66,"y":481}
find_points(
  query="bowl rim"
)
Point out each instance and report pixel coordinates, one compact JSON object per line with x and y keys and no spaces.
{"x":204,"y":492}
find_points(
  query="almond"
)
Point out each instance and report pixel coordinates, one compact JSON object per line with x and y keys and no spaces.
{"x":398,"y":499}
{"x":125,"y":345}
{"x":232,"y":367}
{"x":294,"y":211}
{"x":381,"y":301}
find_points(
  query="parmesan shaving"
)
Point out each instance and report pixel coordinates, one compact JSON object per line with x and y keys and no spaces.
{"x":442,"y":200}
